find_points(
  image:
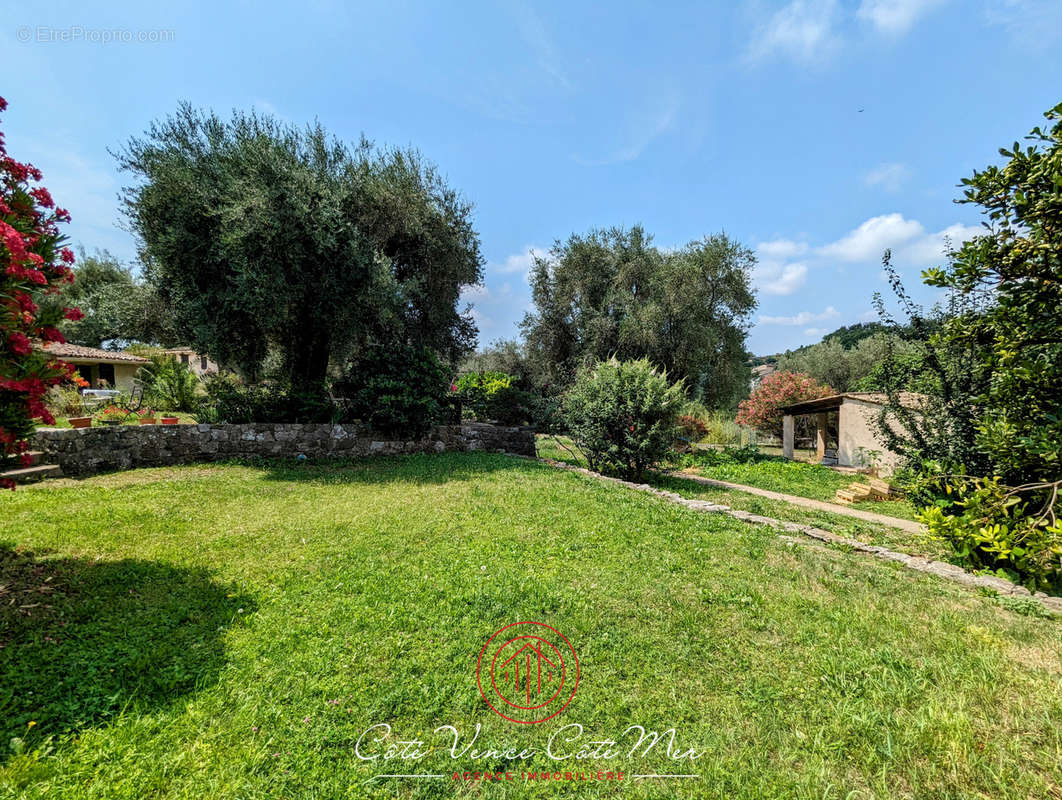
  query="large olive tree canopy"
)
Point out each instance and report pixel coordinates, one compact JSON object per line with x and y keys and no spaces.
{"x":612,"y":293}
{"x":266,"y":239}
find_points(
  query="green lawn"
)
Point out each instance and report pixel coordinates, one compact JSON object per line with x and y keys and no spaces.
{"x":851,"y":527}
{"x":813,"y":481}
{"x":775,"y":474}
{"x":229,"y":631}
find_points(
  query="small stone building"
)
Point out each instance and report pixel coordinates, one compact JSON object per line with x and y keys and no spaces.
{"x":848,"y":422}
{"x":199,"y":364}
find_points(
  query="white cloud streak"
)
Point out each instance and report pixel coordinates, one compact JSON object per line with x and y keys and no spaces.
{"x":889,"y":176}
{"x":802,"y":30}
{"x":803,"y":318}
{"x":894,"y":17}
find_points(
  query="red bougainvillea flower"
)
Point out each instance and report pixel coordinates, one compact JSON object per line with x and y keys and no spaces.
{"x":19,"y":344}
{"x":43,"y":197}
{"x":34,"y":266}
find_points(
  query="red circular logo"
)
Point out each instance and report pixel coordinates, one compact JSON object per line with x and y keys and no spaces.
{"x":527,"y":672}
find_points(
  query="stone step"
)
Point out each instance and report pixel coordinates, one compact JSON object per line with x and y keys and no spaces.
{"x":35,"y":473}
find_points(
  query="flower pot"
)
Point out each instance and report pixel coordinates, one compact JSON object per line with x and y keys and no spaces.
{"x":147,"y":420}
{"x":80,"y":422}
{"x":110,"y":422}
{"x":169,"y":420}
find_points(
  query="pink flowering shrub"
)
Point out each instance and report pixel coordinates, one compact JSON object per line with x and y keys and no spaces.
{"x":33,"y":267}
{"x":762,"y":410}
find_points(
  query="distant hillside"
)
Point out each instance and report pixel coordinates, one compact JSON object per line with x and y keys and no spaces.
{"x":848,"y":336}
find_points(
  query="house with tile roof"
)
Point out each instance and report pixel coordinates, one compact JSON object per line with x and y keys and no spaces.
{"x":111,"y":367}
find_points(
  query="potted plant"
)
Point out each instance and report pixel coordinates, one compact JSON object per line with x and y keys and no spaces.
{"x":112,"y":415}
{"x":79,"y":422}
{"x":169,"y":420}
{"x":147,"y":416}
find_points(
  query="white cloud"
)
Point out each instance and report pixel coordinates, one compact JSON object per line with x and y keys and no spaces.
{"x":803,"y":30}
{"x":1032,"y":24}
{"x":504,"y":297}
{"x":816,"y":331}
{"x":910,"y":242}
{"x":474,"y":292}
{"x":889,"y":176}
{"x":932,"y":247}
{"x":781,"y":248}
{"x":517,"y":262}
{"x":778,"y":277}
{"x":894,"y":17}
{"x":803,"y":318}
{"x":870,"y":239}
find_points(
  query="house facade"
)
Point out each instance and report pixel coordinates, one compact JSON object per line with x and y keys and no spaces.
{"x":199,"y":364}
{"x":759,"y":373}
{"x":101,"y":368}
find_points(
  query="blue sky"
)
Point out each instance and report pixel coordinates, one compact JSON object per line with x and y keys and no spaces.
{"x":690,"y":118}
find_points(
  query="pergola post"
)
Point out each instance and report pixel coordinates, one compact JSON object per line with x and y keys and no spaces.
{"x":787,"y":436}
{"x":820,"y":436}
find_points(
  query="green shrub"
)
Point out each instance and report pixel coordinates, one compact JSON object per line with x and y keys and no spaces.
{"x":622,"y":415}
{"x":399,"y":391}
{"x":169,"y":385}
{"x":64,"y":401}
{"x":230,"y":400}
{"x":994,"y":528}
{"x":719,"y":425}
{"x":495,"y":396}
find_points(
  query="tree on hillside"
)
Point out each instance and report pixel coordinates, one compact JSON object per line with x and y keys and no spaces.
{"x":848,"y":336}
{"x":846,"y":369}
{"x":264,"y":239}
{"x":612,"y":293}
{"x":503,"y":355}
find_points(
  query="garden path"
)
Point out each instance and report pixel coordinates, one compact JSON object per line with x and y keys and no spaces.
{"x":818,"y":505}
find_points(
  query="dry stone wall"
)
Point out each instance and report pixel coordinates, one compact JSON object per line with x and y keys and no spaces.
{"x":87,"y":451}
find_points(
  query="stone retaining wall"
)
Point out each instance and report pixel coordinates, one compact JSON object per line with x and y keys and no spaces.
{"x":87,"y":451}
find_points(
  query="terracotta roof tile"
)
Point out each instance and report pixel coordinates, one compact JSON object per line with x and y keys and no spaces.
{"x":67,"y":350}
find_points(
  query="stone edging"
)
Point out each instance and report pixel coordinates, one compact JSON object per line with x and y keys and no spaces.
{"x":940,"y":569}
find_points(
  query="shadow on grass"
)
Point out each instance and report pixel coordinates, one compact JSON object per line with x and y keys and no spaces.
{"x":436,"y":468}
{"x":82,"y":640}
